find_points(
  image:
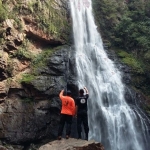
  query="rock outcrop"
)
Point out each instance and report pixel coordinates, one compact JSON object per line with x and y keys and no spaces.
{"x":72,"y":144}
{"x":29,"y":111}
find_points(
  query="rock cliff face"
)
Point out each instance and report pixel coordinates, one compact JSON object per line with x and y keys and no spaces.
{"x":30,"y":111}
{"x":35,"y":65}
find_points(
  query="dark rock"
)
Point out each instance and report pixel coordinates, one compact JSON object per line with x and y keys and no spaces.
{"x":3,"y":148}
{"x":25,"y":122}
{"x":58,"y":74}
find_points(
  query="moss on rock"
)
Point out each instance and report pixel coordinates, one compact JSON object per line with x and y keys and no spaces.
{"x":27,"y":78}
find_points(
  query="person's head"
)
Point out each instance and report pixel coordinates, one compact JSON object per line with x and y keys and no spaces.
{"x":68,"y":93}
{"x":81,"y":91}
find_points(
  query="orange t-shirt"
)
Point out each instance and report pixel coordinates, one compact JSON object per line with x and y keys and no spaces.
{"x":68,"y":104}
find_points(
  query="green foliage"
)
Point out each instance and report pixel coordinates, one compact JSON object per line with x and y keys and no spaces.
{"x":123,"y":54}
{"x":107,"y":15}
{"x":18,"y":24}
{"x":30,"y":5}
{"x":147,"y":56}
{"x":9,"y":81}
{"x":51,"y":20}
{"x":27,"y":78}
{"x":37,"y":62}
{"x":46,"y":16}
{"x":125,"y":25}
{"x":133,"y":31}
{"x":41,"y":60}
{"x":3,"y":13}
{"x":23,"y":54}
{"x":131,"y":61}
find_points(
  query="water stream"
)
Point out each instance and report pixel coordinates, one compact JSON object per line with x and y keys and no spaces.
{"x":111,"y":120}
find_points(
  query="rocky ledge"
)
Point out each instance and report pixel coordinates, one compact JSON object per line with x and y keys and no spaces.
{"x":72,"y":144}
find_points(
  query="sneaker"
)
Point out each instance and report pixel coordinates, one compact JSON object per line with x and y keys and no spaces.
{"x":59,"y":138}
{"x":67,"y":136}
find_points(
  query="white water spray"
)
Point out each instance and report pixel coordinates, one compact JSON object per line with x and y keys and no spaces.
{"x":111,"y":121}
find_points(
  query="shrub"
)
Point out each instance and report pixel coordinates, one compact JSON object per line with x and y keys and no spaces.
{"x":23,"y":54}
{"x":27,"y":78}
{"x":147,"y":56}
{"x":40,"y":60}
{"x":3,"y":13}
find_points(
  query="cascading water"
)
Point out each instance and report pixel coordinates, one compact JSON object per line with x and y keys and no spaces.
{"x":111,"y":121}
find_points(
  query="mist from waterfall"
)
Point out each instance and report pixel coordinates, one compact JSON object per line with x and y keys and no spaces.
{"x":111,"y":120}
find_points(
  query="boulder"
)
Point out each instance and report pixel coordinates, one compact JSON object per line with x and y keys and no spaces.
{"x":72,"y":144}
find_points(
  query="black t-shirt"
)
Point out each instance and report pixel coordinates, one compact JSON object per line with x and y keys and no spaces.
{"x":81,"y":102}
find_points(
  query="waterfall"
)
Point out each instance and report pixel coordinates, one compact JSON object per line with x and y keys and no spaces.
{"x":111,"y":120}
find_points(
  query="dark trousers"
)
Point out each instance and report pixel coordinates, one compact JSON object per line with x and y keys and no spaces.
{"x":82,"y":118}
{"x":65,"y":119}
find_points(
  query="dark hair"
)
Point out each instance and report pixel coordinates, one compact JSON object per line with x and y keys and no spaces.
{"x":81,"y":91}
{"x":69,"y":92}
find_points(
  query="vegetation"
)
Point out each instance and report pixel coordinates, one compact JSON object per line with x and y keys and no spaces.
{"x":133,"y":31}
{"x":107,"y":15}
{"x":126,"y":25}
{"x":3,"y":12}
{"x":23,"y":52}
{"x":37,"y":62}
{"x":131,"y":61}
{"x":27,"y":78}
{"x":51,"y":20}
{"x":41,"y":60}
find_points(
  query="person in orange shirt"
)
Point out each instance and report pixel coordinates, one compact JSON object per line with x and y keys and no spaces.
{"x":67,"y":113}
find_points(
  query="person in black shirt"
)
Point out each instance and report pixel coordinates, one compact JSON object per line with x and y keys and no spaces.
{"x":81,"y":112}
